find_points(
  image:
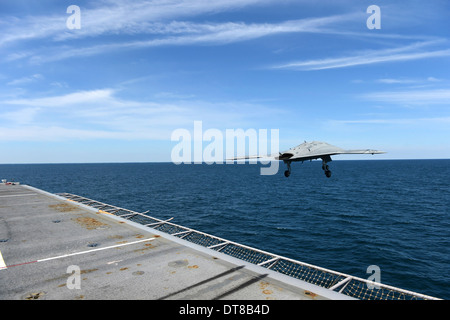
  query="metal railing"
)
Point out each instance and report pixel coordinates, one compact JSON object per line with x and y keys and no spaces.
{"x":351,"y":286}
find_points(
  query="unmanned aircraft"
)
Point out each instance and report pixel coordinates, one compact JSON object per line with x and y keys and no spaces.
{"x":311,"y":151}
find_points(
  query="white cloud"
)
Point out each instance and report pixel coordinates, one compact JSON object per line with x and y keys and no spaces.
{"x":94,"y":106}
{"x":64,"y":100}
{"x":101,"y":114}
{"x":408,"y":80}
{"x":60,"y":133}
{"x":396,"y":81}
{"x":405,"y":53}
{"x":412,"y":97}
{"x":178,"y":33}
{"x":25,"y":80}
{"x":397,"y":121}
{"x":114,"y":17}
{"x":21,"y":116}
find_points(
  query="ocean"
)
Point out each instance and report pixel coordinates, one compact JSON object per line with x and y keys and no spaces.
{"x":394,"y":214}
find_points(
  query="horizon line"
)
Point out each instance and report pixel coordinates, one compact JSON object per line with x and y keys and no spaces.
{"x":203,"y":163}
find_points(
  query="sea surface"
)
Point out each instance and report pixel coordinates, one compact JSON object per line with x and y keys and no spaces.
{"x":394,"y":214}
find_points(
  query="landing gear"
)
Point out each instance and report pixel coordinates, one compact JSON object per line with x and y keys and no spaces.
{"x":287,"y":173}
{"x":326,"y":169}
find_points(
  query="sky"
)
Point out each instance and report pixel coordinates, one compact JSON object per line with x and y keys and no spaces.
{"x":116,"y":88}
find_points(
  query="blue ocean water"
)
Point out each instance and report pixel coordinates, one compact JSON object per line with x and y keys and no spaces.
{"x":390,"y":213}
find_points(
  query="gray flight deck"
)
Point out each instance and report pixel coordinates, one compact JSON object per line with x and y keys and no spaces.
{"x":52,"y":248}
{"x":35,"y":226}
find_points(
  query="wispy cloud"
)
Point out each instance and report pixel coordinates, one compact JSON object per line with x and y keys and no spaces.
{"x":146,"y":24}
{"x":102,"y":114}
{"x":62,"y":133}
{"x":182,"y":33}
{"x":101,"y":106}
{"x":404,"y":53}
{"x":114,"y":17}
{"x":411,"y":97}
{"x":156,"y":23}
{"x":64,"y":100}
{"x":25,"y":80}
{"x":408,"y":81}
{"x":397,"y":121}
{"x":21,"y":116}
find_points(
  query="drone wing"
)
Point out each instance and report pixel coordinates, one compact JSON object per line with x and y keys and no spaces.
{"x":309,"y":151}
{"x":316,"y":150}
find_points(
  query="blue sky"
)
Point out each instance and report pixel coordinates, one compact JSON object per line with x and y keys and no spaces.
{"x":115,"y":89}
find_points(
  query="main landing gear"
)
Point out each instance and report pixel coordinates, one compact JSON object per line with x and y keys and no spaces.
{"x":287,"y":173}
{"x":326,"y":169}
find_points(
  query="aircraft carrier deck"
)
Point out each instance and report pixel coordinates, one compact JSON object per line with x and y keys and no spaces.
{"x":66,"y":247}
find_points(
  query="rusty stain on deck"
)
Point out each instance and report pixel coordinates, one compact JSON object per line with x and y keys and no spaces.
{"x":63,"y":207}
{"x":88,"y":222}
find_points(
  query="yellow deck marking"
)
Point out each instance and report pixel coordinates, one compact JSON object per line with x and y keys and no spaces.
{"x":105,"y":212}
